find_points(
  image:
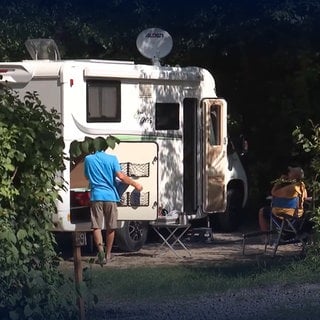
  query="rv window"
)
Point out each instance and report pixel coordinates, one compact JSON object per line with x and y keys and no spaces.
{"x":103,"y":101}
{"x":214,"y":138}
{"x":167,"y":116}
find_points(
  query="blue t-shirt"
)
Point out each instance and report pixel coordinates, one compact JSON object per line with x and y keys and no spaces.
{"x":100,"y":168}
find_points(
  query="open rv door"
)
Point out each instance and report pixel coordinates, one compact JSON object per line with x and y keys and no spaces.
{"x":214,"y":154}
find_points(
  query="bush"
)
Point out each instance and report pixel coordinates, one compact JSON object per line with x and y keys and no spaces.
{"x":310,"y":144}
{"x":31,"y":154}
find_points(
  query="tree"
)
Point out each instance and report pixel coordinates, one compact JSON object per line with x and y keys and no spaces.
{"x":58,"y":20}
{"x":31,"y":154}
{"x":263,"y":54}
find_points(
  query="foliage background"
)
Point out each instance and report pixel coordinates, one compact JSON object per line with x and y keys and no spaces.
{"x":265,"y":56}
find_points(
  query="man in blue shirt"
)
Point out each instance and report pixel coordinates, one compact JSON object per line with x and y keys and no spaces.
{"x":102,"y":169}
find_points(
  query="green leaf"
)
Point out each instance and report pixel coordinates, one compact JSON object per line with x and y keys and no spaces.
{"x":27,"y":311}
{"x":111,"y":142}
{"x":9,"y":166}
{"x":11,"y":237}
{"x":90,"y":141}
{"x":24,"y":250}
{"x":14,"y":315}
{"x":84,"y":146}
{"x":100,"y":143}
{"x":21,"y":234}
{"x":91,"y":260}
{"x":75,"y":150}
{"x":15,"y":252}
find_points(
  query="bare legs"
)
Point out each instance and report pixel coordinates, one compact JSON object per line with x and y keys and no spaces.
{"x":97,"y":237}
{"x":109,"y":243}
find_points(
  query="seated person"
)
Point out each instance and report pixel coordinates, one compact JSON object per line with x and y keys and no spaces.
{"x":289,"y":186}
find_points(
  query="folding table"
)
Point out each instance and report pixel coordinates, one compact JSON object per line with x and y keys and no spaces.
{"x":171,"y":235}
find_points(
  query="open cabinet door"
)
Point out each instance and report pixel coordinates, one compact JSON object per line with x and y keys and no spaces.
{"x":214,"y":154}
{"x":139,"y":160}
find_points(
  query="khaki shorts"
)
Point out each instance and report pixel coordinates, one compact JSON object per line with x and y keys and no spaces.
{"x":102,"y":211}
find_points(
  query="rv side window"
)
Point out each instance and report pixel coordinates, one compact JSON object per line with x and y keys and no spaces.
{"x":103,"y":101}
{"x":215,"y":137}
{"x":167,"y":116}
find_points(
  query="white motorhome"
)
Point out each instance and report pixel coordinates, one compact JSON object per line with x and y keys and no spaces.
{"x":173,"y":133}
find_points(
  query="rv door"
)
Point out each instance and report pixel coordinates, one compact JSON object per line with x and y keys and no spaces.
{"x":214,"y":154}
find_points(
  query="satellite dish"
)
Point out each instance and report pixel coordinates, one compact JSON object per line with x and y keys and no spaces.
{"x":154,"y":43}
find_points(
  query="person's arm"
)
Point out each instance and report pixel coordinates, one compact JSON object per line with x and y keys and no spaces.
{"x":274,"y":190}
{"x":304,"y":192}
{"x":124,"y":178}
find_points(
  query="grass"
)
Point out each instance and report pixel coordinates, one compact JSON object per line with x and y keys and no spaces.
{"x":186,"y":281}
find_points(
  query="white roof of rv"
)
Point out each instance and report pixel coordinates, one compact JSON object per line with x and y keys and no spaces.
{"x":107,"y":68}
{"x":47,"y":68}
{"x":139,"y":71}
{"x":33,"y":67}
{"x":50,"y":68}
{"x":105,"y":61}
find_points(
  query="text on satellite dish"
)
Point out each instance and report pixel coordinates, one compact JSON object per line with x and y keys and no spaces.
{"x":154,"y":35}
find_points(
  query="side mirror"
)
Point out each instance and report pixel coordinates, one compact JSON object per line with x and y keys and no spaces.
{"x":240,"y":146}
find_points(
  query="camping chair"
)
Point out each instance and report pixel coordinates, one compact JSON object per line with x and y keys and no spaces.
{"x":287,"y":228}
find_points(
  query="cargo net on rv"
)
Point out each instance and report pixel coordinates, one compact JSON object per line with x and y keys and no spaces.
{"x":135,"y":169}
{"x":135,"y":198}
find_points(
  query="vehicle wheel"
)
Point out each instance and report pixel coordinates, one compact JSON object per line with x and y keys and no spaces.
{"x":230,"y":219}
{"x":132,"y":236}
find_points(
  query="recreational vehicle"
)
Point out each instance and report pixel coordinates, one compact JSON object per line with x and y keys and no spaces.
{"x":172,"y":128}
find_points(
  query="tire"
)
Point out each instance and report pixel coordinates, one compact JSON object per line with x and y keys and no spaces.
{"x":132,"y":236}
{"x":230,"y":219}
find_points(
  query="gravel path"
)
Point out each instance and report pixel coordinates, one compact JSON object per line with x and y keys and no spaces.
{"x":279,"y":302}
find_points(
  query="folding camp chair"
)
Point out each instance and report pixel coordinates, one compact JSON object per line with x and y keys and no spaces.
{"x":287,"y":228}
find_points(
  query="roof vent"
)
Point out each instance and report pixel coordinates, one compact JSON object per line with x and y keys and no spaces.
{"x":42,"y":49}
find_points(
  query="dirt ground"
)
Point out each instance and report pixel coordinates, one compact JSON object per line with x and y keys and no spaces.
{"x":222,"y":248}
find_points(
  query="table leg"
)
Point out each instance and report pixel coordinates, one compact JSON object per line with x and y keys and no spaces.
{"x":177,"y":239}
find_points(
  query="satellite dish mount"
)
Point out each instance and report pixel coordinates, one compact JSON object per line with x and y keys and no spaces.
{"x":154,"y":43}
